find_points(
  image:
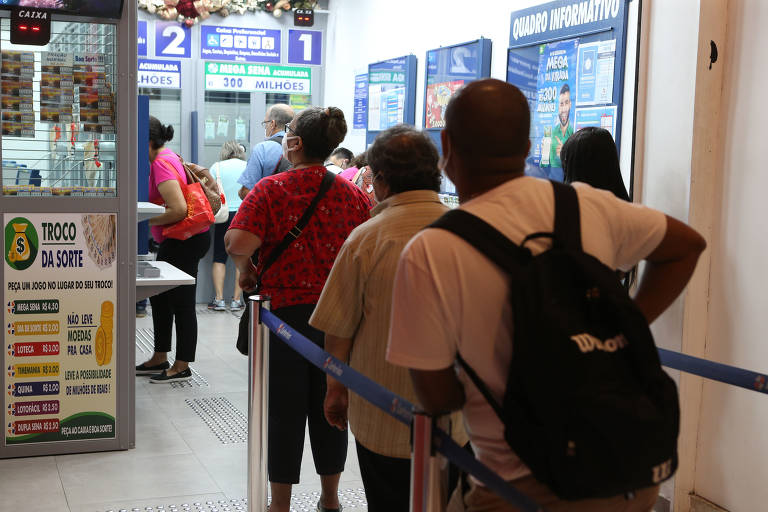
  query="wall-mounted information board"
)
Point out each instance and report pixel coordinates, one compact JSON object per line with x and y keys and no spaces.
{"x":391,"y":94}
{"x":567,"y":57}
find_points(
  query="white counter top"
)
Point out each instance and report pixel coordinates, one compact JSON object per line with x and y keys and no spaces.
{"x":170,"y":277}
{"x":146,"y":211}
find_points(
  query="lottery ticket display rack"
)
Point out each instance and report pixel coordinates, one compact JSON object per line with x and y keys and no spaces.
{"x":69,"y":213}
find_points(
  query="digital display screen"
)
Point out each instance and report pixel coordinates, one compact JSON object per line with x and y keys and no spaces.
{"x":386,"y":94}
{"x":86,"y":8}
{"x":447,"y":70}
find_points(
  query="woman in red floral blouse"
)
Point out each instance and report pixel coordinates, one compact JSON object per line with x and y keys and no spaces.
{"x":294,"y":282}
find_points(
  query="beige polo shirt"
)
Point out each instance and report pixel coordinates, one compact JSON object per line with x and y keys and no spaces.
{"x":356,"y":303}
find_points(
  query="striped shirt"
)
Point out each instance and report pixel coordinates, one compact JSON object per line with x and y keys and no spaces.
{"x":356,"y":304}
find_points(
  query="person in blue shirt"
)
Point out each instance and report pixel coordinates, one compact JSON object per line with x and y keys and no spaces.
{"x":266,"y":155}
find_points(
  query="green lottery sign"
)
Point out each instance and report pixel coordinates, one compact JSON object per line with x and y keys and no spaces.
{"x":222,"y":76}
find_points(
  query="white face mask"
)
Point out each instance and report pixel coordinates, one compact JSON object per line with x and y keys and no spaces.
{"x":288,"y":150}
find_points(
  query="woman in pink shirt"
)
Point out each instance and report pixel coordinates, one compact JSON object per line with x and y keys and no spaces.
{"x":166,"y":174}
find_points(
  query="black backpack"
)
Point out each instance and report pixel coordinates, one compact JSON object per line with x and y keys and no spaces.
{"x":282,"y":163}
{"x":587,"y":406}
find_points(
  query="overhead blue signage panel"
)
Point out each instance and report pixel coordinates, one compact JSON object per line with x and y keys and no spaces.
{"x":239,"y":44}
{"x":563,"y":19}
{"x":141,"y":39}
{"x":172,"y":40}
{"x":360,"y":109}
{"x":305,"y":47}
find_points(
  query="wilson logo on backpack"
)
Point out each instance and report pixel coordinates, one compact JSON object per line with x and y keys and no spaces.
{"x":588,"y":343}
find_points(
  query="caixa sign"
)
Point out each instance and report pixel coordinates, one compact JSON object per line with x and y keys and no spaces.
{"x":162,"y":74}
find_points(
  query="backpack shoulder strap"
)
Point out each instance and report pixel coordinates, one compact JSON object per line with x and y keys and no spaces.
{"x":485,"y":238}
{"x":567,"y":216}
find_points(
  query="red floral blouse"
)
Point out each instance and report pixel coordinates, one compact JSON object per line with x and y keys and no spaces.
{"x":275,"y":205}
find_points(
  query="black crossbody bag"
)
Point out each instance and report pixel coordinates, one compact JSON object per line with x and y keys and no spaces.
{"x":288,"y":239}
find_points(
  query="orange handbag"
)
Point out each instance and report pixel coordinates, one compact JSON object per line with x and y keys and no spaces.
{"x":199,"y":212}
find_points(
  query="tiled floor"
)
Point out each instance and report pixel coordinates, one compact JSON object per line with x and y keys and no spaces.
{"x":179,"y":463}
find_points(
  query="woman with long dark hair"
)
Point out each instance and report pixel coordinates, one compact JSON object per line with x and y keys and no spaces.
{"x":177,"y":304}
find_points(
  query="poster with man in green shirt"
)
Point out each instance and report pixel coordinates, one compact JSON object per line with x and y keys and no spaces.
{"x":563,"y":129}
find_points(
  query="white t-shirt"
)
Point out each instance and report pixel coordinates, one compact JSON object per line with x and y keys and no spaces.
{"x":448,"y":296}
{"x":229,"y":171}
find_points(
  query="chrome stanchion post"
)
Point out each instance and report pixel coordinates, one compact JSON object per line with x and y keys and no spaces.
{"x":428,"y":470}
{"x":258,"y":402}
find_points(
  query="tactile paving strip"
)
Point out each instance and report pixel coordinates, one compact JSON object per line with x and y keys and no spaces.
{"x":352,"y":500}
{"x":226,"y":421}
{"x":145,"y":343}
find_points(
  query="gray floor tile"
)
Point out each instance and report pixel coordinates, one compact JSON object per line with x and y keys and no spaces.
{"x":31,"y":484}
{"x":123,"y":477}
{"x":142,"y":504}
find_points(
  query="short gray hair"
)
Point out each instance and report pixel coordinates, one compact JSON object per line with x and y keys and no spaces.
{"x":231,"y":149}
{"x":281,"y":114}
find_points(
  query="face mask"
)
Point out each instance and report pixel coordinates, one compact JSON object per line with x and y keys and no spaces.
{"x":288,"y":150}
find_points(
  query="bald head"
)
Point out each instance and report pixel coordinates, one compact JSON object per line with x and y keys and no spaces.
{"x":280,"y":114}
{"x":501,"y":113}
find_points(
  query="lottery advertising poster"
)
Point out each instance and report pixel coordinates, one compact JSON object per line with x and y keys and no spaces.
{"x":60,"y":302}
{"x":386,"y":94}
{"x":552,"y":122}
{"x":438,"y":96}
{"x":56,"y":87}
{"x":17,"y":73}
{"x":447,"y":70}
{"x":523,"y":74}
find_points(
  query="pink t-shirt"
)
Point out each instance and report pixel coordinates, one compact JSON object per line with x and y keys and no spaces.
{"x":160,"y":171}
{"x":349,"y":173}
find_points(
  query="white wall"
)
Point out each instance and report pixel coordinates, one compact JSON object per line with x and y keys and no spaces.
{"x":364,"y":31}
{"x":732,"y":441}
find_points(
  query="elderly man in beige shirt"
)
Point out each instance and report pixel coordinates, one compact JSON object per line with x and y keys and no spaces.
{"x":354,"y":309}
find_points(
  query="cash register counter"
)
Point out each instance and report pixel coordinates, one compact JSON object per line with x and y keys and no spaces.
{"x":153,"y":277}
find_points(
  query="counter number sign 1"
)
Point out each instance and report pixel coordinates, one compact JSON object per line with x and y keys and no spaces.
{"x":172,"y":40}
{"x":305,"y":47}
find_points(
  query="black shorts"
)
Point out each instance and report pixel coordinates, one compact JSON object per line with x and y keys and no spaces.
{"x":219,"y":230}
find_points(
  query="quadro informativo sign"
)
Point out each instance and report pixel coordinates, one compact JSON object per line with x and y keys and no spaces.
{"x":239,"y":44}
{"x":60,"y":297}
{"x":162,"y":74}
{"x":223,"y":76}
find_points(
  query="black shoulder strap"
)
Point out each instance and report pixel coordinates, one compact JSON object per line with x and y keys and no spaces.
{"x":295,"y":231}
{"x":485,"y":238}
{"x":567,"y":216}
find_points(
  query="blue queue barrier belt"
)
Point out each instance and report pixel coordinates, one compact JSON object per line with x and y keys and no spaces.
{"x":396,"y":406}
{"x":715,"y":371}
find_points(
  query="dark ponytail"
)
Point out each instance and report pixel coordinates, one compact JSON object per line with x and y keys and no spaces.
{"x":321,"y":130}
{"x":159,"y":134}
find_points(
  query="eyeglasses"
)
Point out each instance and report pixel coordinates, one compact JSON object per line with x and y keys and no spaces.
{"x":289,"y":129}
{"x":265,"y":123}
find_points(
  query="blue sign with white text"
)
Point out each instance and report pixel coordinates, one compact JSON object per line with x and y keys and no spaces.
{"x":360,"y":108}
{"x":305,"y":47}
{"x":240,"y":44}
{"x":141,"y":39}
{"x":563,"y":18}
{"x":172,"y":40}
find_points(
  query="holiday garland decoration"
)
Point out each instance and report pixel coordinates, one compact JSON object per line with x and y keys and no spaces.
{"x":190,"y":12}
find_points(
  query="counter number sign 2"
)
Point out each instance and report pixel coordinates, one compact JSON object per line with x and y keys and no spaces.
{"x":305,"y":47}
{"x":172,"y":40}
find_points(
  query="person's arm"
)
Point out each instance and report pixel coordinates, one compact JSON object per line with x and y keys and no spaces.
{"x":175,"y":204}
{"x":240,"y":245}
{"x":669,"y":268}
{"x":251,"y":175}
{"x":243,"y":192}
{"x":336,"y":396}
{"x":438,"y":391}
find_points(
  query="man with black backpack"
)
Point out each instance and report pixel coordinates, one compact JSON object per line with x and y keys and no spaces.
{"x":267,"y":157}
{"x":510,"y":309}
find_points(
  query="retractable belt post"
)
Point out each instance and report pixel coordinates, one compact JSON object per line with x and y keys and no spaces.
{"x":427,"y":487}
{"x":258,"y":403}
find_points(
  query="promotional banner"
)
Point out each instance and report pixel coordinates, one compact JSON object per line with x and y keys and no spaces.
{"x":239,"y":44}
{"x":163,"y":74}
{"x":447,"y":70}
{"x":60,"y":326}
{"x":552,"y":122}
{"x":360,"y":109}
{"x":523,"y":74}
{"x":221,"y":76}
